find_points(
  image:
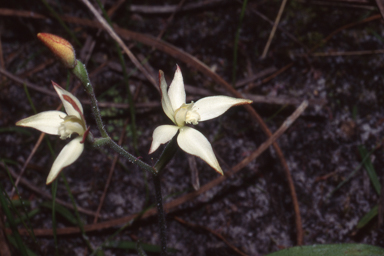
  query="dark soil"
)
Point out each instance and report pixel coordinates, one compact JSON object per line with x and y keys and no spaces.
{"x":253,"y":209}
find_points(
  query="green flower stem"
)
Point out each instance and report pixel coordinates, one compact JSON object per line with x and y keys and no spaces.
{"x":130,"y":157}
{"x":99,"y":142}
{"x":161,"y":215}
{"x":81,"y":72}
{"x":166,"y":155}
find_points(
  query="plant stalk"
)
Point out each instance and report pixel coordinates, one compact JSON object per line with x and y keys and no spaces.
{"x":161,"y":215}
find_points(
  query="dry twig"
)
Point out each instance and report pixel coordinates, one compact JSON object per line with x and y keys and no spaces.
{"x":44,"y":194}
{"x":272,"y":34}
{"x":111,"y":171}
{"x":112,"y":33}
{"x":217,"y":234}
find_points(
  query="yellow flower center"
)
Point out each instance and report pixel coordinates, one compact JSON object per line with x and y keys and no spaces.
{"x":186,"y":114}
{"x":71,"y":124}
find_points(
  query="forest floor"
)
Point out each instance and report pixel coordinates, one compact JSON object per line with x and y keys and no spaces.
{"x":328,"y":53}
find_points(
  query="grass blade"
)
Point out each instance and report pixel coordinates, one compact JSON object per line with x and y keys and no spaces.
{"x":370,"y":169}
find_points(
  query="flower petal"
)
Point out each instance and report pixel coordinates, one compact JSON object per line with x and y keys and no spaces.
{"x":48,"y":121}
{"x":165,"y":102}
{"x":69,"y":154}
{"x":161,"y":135}
{"x":71,"y":104}
{"x":194,"y":142}
{"x":176,"y":90}
{"x":214,"y":106}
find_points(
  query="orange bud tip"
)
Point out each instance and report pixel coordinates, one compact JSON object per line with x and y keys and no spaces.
{"x":63,"y":50}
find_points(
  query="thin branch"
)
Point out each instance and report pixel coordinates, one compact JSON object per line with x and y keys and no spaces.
{"x":217,"y":234}
{"x":111,"y":170}
{"x":272,"y":34}
{"x":162,"y":9}
{"x":27,"y":162}
{"x":38,"y":190}
{"x":112,"y":33}
{"x":28,"y":84}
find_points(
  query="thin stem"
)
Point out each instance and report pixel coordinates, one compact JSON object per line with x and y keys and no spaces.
{"x":130,"y":157}
{"x":81,"y":72}
{"x":166,"y":156}
{"x":161,"y":215}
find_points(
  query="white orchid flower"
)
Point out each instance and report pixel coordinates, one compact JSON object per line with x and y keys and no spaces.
{"x":62,"y":124}
{"x":190,"y":140}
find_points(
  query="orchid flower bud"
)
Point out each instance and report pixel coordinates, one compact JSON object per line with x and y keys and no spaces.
{"x":63,"y":50}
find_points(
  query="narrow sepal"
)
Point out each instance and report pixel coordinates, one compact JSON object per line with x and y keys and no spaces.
{"x":48,"y":121}
{"x":71,"y":104}
{"x":69,"y":154}
{"x":161,"y":135}
{"x":195,"y":143}
{"x":214,"y":106}
{"x":176,"y":90}
{"x":165,"y":102}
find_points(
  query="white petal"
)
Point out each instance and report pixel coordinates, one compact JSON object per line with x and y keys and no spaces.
{"x":69,"y":154}
{"x":161,"y":135}
{"x":214,"y":106}
{"x":194,"y":142}
{"x":165,"y":102}
{"x":48,"y":121}
{"x":71,"y":104}
{"x":176,"y":90}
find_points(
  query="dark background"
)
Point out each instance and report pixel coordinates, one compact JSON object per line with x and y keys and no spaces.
{"x":252,"y":209}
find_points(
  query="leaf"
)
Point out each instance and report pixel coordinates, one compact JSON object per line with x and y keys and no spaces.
{"x":29,"y":215}
{"x":368,"y":217}
{"x":12,"y":240}
{"x":370,"y":169}
{"x":331,"y":250}
{"x":62,"y":211}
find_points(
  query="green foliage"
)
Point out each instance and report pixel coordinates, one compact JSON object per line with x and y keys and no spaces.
{"x":13,"y":241}
{"x":370,"y":169}
{"x":331,"y":250}
{"x":368,"y":217}
{"x":10,"y":218}
{"x":64,"y":212}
